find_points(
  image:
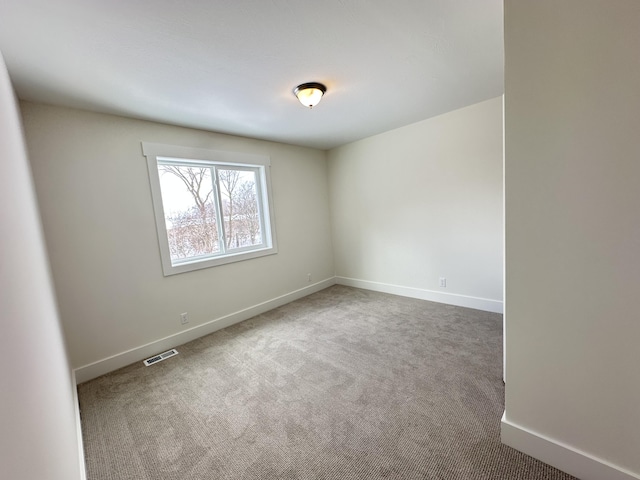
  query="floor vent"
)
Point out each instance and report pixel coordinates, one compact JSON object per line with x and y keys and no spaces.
{"x":160,"y":357}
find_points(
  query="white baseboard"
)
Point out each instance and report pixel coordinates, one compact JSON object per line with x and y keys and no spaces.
{"x":485,"y":304}
{"x":83,"y":467}
{"x":568,"y":459}
{"x":109,"y":364}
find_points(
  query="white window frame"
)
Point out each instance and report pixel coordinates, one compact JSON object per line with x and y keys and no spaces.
{"x":158,"y":154}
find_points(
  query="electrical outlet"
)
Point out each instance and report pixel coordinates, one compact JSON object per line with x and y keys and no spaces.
{"x":443,"y":282}
{"x":184,"y":318}
{"x":308,"y":277}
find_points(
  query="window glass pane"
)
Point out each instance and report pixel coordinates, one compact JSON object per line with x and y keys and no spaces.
{"x":190,"y":217}
{"x":240,"y":208}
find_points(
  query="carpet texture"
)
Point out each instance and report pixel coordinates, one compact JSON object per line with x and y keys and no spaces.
{"x":343,"y":384}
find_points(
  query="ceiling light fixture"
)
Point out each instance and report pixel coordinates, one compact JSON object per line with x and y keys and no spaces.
{"x":310,"y":94}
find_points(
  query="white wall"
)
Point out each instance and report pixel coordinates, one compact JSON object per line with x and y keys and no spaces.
{"x":38,"y":437}
{"x":92,"y":184}
{"x":572,"y":115}
{"x":422,"y":202}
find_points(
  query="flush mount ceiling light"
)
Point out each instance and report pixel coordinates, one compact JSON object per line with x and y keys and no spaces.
{"x":309,"y":94}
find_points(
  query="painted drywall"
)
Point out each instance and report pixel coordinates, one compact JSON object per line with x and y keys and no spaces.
{"x":422,"y":202}
{"x":572,"y":117}
{"x":38,"y":438}
{"x":93,"y":188}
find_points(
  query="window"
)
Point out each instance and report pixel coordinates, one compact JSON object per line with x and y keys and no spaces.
{"x":211,"y":207}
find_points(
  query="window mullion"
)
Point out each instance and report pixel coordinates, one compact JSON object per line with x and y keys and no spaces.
{"x":219,"y":214}
{"x":261,"y":204}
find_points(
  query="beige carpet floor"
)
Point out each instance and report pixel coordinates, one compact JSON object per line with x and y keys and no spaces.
{"x":343,"y":384}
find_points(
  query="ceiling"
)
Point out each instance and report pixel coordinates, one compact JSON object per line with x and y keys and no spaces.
{"x":230,"y":65}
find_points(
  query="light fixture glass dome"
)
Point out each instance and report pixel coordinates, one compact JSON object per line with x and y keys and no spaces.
{"x":310,"y":94}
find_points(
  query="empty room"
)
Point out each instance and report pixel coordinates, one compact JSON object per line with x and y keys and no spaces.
{"x":338,"y":240}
